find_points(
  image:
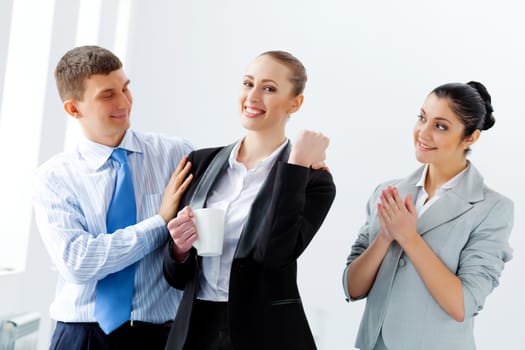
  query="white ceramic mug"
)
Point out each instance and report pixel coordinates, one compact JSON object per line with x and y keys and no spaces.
{"x":209,"y":223}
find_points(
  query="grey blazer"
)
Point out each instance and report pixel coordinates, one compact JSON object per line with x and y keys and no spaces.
{"x":468,"y":228}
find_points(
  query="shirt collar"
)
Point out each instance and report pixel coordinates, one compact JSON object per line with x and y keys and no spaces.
{"x":97,"y":154}
{"x":447,"y":185}
{"x":421,"y":181}
{"x":267,"y":162}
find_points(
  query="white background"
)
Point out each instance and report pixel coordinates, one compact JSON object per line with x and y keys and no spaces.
{"x":370,"y":67}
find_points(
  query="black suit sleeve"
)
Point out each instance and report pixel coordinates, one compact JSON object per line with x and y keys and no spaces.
{"x":178,"y":273}
{"x":301,"y":200}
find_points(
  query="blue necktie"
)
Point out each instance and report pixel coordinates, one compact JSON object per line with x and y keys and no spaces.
{"x":115,"y":292}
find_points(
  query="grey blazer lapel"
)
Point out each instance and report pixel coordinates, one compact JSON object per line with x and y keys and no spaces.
{"x":260,"y":211}
{"x":379,"y":299}
{"x":452,"y":204}
{"x":408,"y":185}
{"x":447,"y":208}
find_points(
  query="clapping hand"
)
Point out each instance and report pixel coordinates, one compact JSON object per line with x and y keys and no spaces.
{"x":397,"y":217}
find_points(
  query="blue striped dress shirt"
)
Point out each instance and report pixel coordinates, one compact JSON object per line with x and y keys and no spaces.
{"x":72,"y":192}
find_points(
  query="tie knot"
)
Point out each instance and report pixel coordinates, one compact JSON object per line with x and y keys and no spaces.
{"x":120,"y":155}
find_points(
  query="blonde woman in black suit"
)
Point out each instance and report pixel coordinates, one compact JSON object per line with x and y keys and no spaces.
{"x":275,"y":202}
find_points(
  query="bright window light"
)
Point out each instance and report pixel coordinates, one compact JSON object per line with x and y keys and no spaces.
{"x":122,"y":28}
{"x":20,"y":123}
{"x":87,"y":34}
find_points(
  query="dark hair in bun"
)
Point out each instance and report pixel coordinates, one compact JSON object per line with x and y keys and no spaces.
{"x":471,"y":102}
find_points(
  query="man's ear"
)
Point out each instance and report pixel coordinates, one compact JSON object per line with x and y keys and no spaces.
{"x":71,"y":108}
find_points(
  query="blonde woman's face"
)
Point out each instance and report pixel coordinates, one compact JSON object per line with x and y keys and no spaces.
{"x":265,"y":98}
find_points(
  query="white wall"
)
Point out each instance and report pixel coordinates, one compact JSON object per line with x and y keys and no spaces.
{"x":33,"y":290}
{"x":370,"y":67}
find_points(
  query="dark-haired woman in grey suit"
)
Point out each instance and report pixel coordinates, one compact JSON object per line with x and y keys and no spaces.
{"x":434,"y":243}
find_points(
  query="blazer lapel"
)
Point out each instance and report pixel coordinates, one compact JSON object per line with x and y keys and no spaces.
{"x":260,"y":212}
{"x":408,"y":184}
{"x":447,"y":208}
{"x":198,"y":199}
{"x":452,"y":204}
{"x":379,"y":296}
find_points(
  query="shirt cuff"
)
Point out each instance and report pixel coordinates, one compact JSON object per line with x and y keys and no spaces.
{"x":153,"y":233}
{"x":345,"y":283}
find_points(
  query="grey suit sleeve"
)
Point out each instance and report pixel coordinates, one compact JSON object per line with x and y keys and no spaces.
{"x":483,"y":258}
{"x":361,"y":244}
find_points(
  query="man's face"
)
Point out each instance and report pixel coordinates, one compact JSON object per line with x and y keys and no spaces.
{"x":104,"y":111}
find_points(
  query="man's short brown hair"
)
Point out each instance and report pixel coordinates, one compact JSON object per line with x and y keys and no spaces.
{"x":80,"y":63}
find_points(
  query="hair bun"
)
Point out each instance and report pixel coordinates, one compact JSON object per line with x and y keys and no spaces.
{"x":485,"y":96}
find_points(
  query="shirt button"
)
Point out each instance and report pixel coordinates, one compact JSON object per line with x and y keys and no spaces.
{"x":402,"y":262}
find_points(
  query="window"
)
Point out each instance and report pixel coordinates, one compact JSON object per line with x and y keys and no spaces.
{"x":89,"y":31}
{"x":27,"y":29}
{"x":20,"y":121}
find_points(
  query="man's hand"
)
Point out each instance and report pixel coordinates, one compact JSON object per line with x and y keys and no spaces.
{"x":179,"y":182}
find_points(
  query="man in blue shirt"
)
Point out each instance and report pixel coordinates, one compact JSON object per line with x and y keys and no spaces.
{"x":72,"y":194}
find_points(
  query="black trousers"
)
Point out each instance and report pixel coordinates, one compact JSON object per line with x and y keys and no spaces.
{"x":209,"y":328}
{"x":89,"y":336}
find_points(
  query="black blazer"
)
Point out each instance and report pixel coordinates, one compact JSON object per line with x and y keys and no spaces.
{"x":264,"y":307}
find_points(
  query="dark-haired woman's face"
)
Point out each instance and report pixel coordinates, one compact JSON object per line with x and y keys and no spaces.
{"x":438,"y":134}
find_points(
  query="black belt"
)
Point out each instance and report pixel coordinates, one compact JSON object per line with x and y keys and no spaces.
{"x":134,"y":323}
